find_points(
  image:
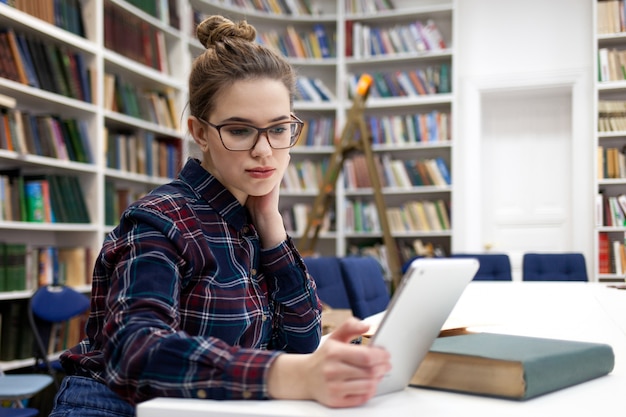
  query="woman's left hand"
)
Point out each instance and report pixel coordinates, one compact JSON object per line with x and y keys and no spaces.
{"x":266,"y":217}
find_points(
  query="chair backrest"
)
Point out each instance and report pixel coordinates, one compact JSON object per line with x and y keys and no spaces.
{"x":57,"y":304}
{"x":493,"y":266}
{"x":48,"y":308}
{"x":326,"y":271}
{"x":367,"y":289}
{"x":569,"y":266}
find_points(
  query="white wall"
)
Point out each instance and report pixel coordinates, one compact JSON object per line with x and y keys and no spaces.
{"x":504,"y":44}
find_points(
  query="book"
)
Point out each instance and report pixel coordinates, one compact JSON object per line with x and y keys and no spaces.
{"x":15,"y":260}
{"x":511,"y":366}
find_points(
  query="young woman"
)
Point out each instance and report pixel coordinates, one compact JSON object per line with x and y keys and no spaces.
{"x":199,"y":292}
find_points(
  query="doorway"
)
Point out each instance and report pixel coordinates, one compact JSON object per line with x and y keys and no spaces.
{"x":526,"y":171}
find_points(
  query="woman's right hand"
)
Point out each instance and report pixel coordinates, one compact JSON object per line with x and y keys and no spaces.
{"x":337,"y":374}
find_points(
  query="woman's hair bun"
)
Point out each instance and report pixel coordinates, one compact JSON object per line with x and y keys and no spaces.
{"x":217,"y":28}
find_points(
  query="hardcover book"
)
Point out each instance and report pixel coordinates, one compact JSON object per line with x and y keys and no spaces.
{"x":509,"y":366}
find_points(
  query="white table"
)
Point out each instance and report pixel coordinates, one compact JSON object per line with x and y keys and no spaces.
{"x":577,"y":311}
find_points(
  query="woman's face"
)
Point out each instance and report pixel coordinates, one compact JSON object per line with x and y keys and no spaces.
{"x":260,"y":103}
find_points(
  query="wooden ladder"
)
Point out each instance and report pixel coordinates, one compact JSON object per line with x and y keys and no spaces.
{"x":354,"y":137}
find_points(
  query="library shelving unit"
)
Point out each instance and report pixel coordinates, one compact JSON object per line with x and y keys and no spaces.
{"x":411,"y":127}
{"x":114,"y":80}
{"x":610,"y":140}
{"x":332,"y":45}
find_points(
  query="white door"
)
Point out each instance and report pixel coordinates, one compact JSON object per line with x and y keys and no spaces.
{"x":526,"y":144}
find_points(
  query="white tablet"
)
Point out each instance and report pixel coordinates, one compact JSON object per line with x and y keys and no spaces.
{"x":416,"y":313}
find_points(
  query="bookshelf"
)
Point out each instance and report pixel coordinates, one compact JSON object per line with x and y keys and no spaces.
{"x":351,"y":226}
{"x":108,"y":125}
{"x":610,"y":140}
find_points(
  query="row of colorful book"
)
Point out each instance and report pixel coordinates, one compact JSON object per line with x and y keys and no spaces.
{"x":611,"y":162}
{"x":31,"y":61}
{"x":295,"y":218}
{"x":368,"y":6}
{"x":27,"y":266}
{"x":412,"y":216}
{"x":611,"y":115}
{"x":41,"y":198}
{"x":65,"y":14}
{"x":116,"y":200}
{"x":318,"y":131}
{"x":419,"y":216}
{"x":164,"y":10}
{"x":433,"y":79}
{"x":126,"y":97}
{"x":134,"y":38}
{"x":46,"y":135}
{"x":397,"y":173}
{"x":434,"y":126}
{"x":364,"y":41}
{"x":281,"y":7}
{"x":611,"y":254}
{"x":314,"y":43}
{"x":144,"y":153}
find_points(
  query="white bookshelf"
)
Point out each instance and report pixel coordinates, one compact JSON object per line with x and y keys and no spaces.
{"x":92,"y":176}
{"x":607,"y":89}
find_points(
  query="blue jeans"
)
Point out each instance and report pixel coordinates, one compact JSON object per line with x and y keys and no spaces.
{"x":84,"y":397}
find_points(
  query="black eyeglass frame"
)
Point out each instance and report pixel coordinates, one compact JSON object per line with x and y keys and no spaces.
{"x":260,"y":131}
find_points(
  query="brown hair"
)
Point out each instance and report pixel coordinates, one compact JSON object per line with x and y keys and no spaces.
{"x":231,"y":55}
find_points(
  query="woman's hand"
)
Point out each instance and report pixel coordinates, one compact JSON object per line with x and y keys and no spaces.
{"x":266,"y":218}
{"x":337,"y":374}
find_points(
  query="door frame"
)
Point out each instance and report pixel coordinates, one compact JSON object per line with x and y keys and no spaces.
{"x":467,"y":155}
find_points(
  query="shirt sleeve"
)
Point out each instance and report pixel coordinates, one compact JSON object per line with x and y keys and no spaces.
{"x":297,"y":316}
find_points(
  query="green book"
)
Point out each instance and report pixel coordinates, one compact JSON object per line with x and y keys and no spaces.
{"x":10,"y":312}
{"x":508,"y":366}
{"x":3,"y":271}
{"x":15,"y":266}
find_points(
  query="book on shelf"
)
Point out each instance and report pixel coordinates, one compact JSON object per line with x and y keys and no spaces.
{"x":17,"y":60}
{"x":75,"y":264}
{"x":323,"y":40}
{"x":604,"y":266}
{"x":15,"y":266}
{"x":431,"y":35}
{"x":511,"y":366}
{"x":37,"y":195}
{"x":10,"y":314}
{"x":610,"y":17}
{"x":7,"y":102}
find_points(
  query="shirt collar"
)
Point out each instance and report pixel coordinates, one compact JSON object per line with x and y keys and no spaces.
{"x":214,"y":192}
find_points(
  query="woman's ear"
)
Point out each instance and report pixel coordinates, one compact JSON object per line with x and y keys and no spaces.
{"x":198,"y":132}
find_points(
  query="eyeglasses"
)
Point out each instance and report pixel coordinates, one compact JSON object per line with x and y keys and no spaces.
{"x":243,"y":137}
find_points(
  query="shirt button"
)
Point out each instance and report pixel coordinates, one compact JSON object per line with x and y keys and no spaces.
{"x":245,"y":229}
{"x":264,"y":317}
{"x":246,"y":395}
{"x":253,"y":272}
{"x":201,"y":394}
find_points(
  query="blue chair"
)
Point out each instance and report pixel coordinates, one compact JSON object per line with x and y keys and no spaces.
{"x":326,"y":271}
{"x":15,"y":388}
{"x":49,"y":307}
{"x":554,"y":267}
{"x":367,"y":289}
{"x":493,"y":266}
